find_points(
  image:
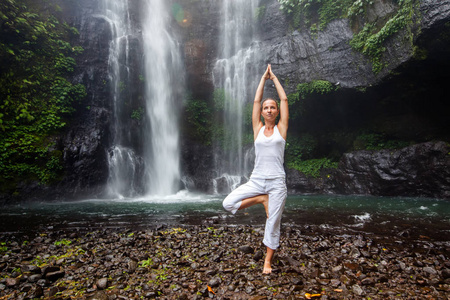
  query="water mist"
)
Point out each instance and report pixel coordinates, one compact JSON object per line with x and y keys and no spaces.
{"x":144,"y":161}
{"x":123,"y":162}
{"x":237,"y":74}
{"x":164,"y":81}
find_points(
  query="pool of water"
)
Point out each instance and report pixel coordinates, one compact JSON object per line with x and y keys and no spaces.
{"x":408,"y":217}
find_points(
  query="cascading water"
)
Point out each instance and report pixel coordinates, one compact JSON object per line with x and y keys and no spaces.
{"x":122,"y":160}
{"x":164,"y":71}
{"x":237,"y":73}
{"x":144,"y":159}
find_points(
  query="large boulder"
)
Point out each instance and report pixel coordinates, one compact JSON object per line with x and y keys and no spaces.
{"x":421,"y":170}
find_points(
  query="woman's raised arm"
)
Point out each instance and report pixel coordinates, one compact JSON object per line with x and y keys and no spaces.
{"x":283,"y":124}
{"x":256,"y":114}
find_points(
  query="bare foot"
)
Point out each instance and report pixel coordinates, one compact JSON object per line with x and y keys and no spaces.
{"x":268,"y":260}
{"x":267,"y":268}
{"x":265,"y":202}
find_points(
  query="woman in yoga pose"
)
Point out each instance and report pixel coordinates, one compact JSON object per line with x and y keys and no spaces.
{"x":267,"y":184}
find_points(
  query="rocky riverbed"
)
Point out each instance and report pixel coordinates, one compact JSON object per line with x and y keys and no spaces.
{"x":219,"y":262}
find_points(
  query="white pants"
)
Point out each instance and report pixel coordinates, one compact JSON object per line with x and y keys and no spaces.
{"x":277,"y":191}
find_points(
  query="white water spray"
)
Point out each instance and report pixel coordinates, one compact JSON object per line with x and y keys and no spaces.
{"x":164,"y":79}
{"x":237,"y":72}
{"x":153,"y":167}
{"x":122,"y":160}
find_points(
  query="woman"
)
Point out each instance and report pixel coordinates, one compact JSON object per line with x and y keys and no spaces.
{"x":267,"y":184}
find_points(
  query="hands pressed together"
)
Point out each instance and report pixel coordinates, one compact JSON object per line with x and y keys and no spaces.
{"x":269,"y":74}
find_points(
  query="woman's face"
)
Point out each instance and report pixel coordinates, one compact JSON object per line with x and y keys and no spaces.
{"x":269,"y":109}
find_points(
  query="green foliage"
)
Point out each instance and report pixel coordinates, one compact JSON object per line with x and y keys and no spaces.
{"x":315,"y":14}
{"x":137,"y":114}
{"x":298,"y":149}
{"x":377,"y":141}
{"x":312,"y":167}
{"x":35,"y":96}
{"x":358,"y":8}
{"x":221,"y":133}
{"x":199,"y":117}
{"x":146,"y":263}
{"x":3,"y":247}
{"x":300,"y":153}
{"x":63,"y":242}
{"x":69,"y":252}
{"x":420,"y":53}
{"x":219,"y":99}
{"x":260,"y":12}
{"x":315,"y":87}
{"x":296,"y":108}
{"x":371,"y":38}
{"x":122,"y":86}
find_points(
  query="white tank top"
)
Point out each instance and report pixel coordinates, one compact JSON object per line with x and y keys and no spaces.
{"x":269,"y":155}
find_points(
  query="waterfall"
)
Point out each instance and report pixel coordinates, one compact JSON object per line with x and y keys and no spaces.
{"x":123,"y":162}
{"x":144,"y":157}
{"x":164,"y":80}
{"x":237,"y":73}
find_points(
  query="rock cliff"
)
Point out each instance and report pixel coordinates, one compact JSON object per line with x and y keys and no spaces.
{"x":415,"y":64}
{"x":392,"y":100}
{"x":421,"y":170}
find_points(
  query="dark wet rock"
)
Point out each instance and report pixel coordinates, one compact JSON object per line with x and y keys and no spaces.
{"x":368,"y":281}
{"x":258,"y":255}
{"x":354,"y":253}
{"x":31,"y":269}
{"x":42,"y":282}
{"x":336,"y":269}
{"x":388,"y":273}
{"x":11,"y":282}
{"x":345,"y":279}
{"x":102,"y":283}
{"x":99,"y":295}
{"x":418,"y":263}
{"x":357,"y":290}
{"x":210,"y":272}
{"x":34,"y":278}
{"x":50,"y":269}
{"x":53,"y":276}
{"x":352,"y":266}
{"x":214,"y":282}
{"x":194,"y":266}
{"x":418,"y":170}
{"x":335,"y":282}
{"x":417,"y":158}
{"x":132,"y":265}
{"x":26,"y":287}
{"x":430,"y":270}
{"x":35,"y":293}
{"x":246,"y":249}
{"x":183,"y":297}
{"x":359,"y":243}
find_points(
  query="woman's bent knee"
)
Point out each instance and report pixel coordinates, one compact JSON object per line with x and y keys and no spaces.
{"x":227,"y":204}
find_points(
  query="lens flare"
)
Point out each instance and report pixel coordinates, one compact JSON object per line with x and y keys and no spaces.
{"x":178,"y":12}
{"x":182,"y":16}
